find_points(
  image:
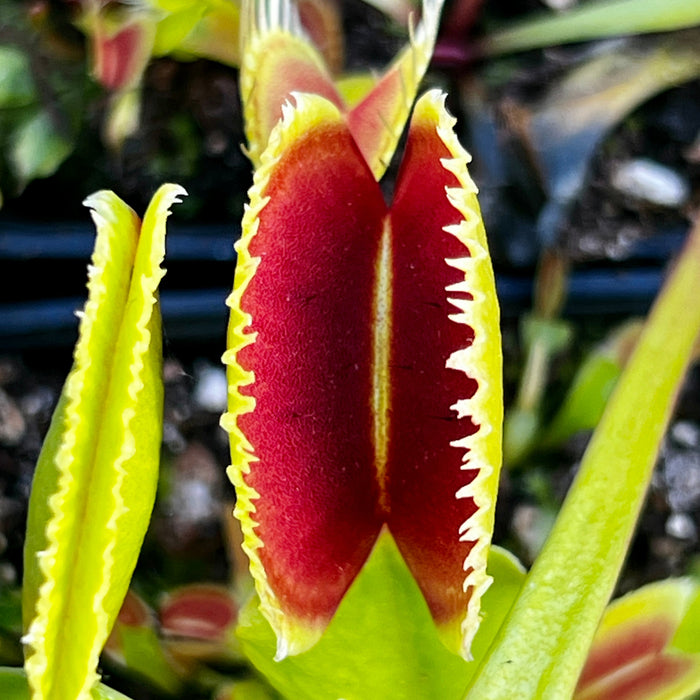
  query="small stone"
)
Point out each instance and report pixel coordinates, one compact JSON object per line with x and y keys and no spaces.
{"x":692,"y":153}
{"x":38,"y":402}
{"x":647,"y":181}
{"x":192,"y":501}
{"x":173,"y":439}
{"x":178,"y":395}
{"x":686,"y":434}
{"x":8,"y":574}
{"x":560,"y":5}
{"x":682,"y":476}
{"x":531,"y":525}
{"x":9,"y":371}
{"x":12,"y":423}
{"x":681,"y":526}
{"x":669,"y":550}
{"x":172,"y":371}
{"x":190,"y":512}
{"x":211,"y":388}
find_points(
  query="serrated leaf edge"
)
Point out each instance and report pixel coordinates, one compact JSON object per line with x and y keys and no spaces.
{"x":102,"y":205}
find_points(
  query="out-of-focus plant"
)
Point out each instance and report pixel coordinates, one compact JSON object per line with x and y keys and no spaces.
{"x":544,"y":334}
{"x":594,"y":20}
{"x":562,"y":129}
{"x":592,"y":385}
{"x":124,"y":37}
{"x":42,"y":97}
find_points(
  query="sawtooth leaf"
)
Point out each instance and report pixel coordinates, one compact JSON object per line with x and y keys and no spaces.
{"x":95,"y":480}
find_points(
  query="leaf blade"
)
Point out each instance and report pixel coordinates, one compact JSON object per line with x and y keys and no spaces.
{"x":87,"y":514}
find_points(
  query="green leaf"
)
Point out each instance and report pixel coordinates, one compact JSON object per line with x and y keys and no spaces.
{"x":382,"y":638}
{"x":249,"y":689}
{"x":592,"y":386}
{"x":37,"y":148}
{"x":14,"y":686}
{"x":144,"y":656}
{"x":10,"y":626}
{"x":595,"y":20}
{"x":95,"y":480}
{"x":10,"y":610}
{"x":174,"y":27}
{"x":544,"y":642}
{"x":543,"y":338}
{"x":686,"y":637}
{"x":16,"y":83}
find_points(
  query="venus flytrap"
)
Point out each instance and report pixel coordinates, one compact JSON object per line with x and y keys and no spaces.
{"x":336,"y":336}
{"x":365,"y":409}
{"x":95,"y":481}
{"x":345,"y":424}
{"x":13,"y":683}
{"x":123,"y":38}
{"x":338,"y":449}
{"x":135,"y":647}
{"x":647,"y":646}
{"x":349,"y":290}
